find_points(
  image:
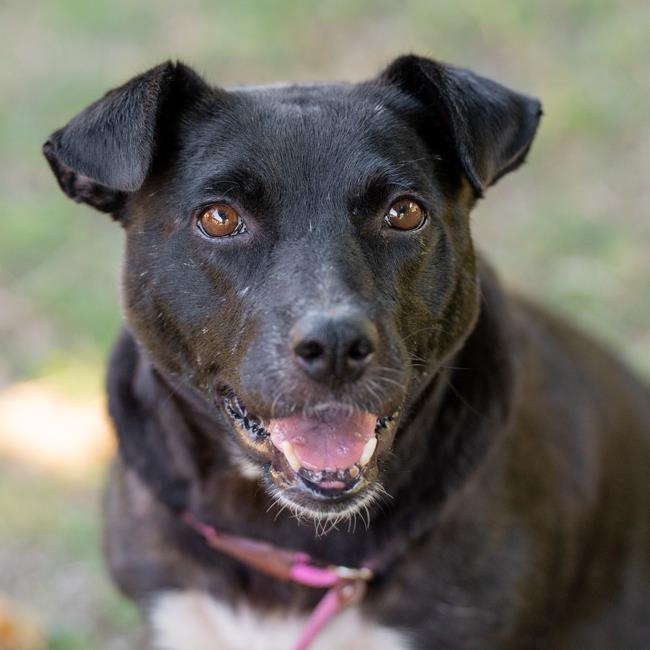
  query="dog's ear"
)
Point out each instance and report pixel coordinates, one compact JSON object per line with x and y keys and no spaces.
{"x":488,"y":127}
{"x":104,"y":153}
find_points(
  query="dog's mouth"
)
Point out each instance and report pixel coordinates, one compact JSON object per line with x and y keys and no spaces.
{"x":328,"y":456}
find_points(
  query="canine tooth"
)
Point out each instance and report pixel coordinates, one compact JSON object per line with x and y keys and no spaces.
{"x":290,"y":455}
{"x":354,"y":471}
{"x":368,"y":451}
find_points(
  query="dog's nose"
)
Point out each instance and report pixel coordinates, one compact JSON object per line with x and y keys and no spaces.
{"x":334,"y":348}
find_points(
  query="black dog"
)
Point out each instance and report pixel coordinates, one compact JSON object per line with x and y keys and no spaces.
{"x":308,"y":327}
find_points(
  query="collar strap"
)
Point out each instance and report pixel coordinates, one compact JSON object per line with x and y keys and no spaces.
{"x":345,"y":586}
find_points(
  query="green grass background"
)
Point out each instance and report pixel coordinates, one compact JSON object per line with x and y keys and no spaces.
{"x":572,"y":227}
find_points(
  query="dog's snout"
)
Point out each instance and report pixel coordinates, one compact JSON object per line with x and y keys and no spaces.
{"x":334,"y":348}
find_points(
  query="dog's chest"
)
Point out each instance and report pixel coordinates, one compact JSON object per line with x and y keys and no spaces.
{"x":192,"y":619}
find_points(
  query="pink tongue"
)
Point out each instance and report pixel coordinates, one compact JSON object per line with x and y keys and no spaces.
{"x":335,"y":440}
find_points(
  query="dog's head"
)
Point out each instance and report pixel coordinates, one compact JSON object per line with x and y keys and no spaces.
{"x":300,"y":255}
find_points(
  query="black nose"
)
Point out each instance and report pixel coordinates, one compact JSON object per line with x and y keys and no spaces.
{"x":334,"y":348}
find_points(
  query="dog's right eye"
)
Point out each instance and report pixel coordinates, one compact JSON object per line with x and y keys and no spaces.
{"x":220,"y":220}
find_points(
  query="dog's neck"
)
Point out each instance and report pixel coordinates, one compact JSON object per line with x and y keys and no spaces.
{"x":179,"y":445}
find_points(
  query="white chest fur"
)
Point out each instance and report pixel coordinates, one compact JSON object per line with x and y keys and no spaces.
{"x":192,"y":620}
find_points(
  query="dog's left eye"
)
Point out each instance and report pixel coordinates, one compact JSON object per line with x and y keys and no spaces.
{"x":220,"y":220}
{"x":405,"y":214}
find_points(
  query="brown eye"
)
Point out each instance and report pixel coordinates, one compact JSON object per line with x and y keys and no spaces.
{"x":220,"y":220}
{"x":405,"y":214}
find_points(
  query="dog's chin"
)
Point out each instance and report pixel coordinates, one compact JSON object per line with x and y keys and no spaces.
{"x":323,"y":466}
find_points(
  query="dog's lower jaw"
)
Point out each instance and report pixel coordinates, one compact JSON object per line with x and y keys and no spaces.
{"x":327,"y":516}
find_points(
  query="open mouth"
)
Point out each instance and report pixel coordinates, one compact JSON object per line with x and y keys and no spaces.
{"x":330,"y":455}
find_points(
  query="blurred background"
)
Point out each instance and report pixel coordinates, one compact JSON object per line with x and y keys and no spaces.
{"x":571,"y":227}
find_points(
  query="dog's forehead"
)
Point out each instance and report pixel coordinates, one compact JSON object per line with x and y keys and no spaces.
{"x":335,"y":110}
{"x":287,"y":129}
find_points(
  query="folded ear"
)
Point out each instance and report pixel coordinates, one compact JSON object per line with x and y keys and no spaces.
{"x":105,"y":152}
{"x":488,"y":127}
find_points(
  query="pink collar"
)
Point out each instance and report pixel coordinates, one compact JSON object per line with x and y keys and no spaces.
{"x":345,"y":586}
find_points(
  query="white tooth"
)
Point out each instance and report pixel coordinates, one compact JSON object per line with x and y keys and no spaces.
{"x":354,"y":471}
{"x":368,"y":451}
{"x":290,"y":455}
